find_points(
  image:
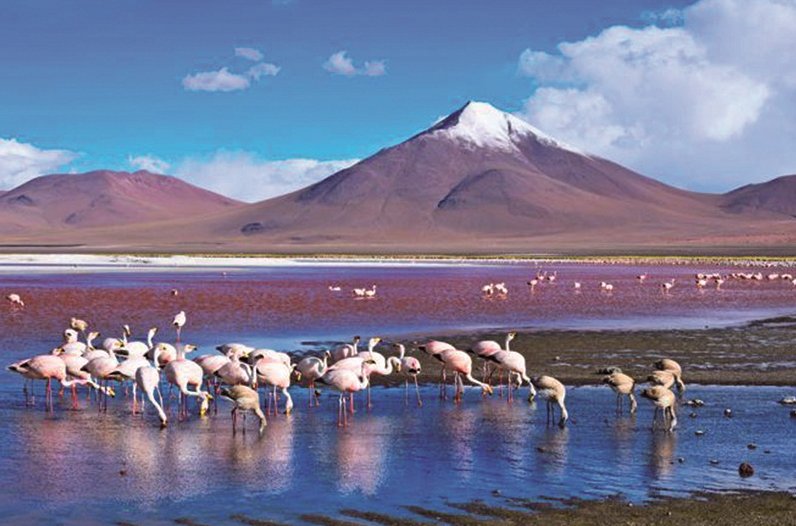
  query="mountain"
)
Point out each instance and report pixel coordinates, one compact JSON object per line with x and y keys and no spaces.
{"x":777,"y":196}
{"x":103,"y":198}
{"x":478,"y":176}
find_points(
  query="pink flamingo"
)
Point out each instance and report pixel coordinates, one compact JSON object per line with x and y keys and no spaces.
{"x":411,"y":367}
{"x":276,"y":375}
{"x":179,"y":323}
{"x":245,"y":399}
{"x":435,"y":349}
{"x":48,"y":367}
{"x":182,"y":373}
{"x":346,"y":381}
{"x":462,"y":365}
{"x":99,"y":368}
{"x":312,"y":368}
{"x":74,"y":368}
{"x":346,"y":350}
{"x":147,"y":378}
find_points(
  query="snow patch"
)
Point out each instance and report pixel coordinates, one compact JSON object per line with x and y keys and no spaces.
{"x":482,"y":125}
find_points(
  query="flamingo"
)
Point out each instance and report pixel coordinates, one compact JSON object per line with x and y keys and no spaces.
{"x":666,"y":286}
{"x":16,"y":300}
{"x":20,"y":368}
{"x":244,"y":399}
{"x":179,"y":323}
{"x":411,"y":366}
{"x":100,"y":367}
{"x":137,"y":349}
{"x":147,"y":378}
{"x":488,"y":290}
{"x":48,"y":367}
{"x":235,"y":372}
{"x":663,"y":399}
{"x":313,"y":368}
{"x":462,"y":365}
{"x":78,"y":324}
{"x":371,"y":293}
{"x":346,"y":350}
{"x":346,"y":381}
{"x":642,"y":278}
{"x":434,"y":349}
{"x":334,"y":288}
{"x":577,"y":286}
{"x":622,"y":385}
{"x":488,"y":350}
{"x":532,"y":283}
{"x":554,"y":393}
{"x":182,"y":373}
{"x":500,"y":288}
{"x":606,"y":287}
{"x":276,"y":375}
{"x":514,"y":363}
{"x":671,"y":366}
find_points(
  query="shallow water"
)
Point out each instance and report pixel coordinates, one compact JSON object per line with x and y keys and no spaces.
{"x":67,"y":465}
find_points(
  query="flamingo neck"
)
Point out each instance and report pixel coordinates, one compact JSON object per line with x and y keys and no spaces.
{"x":508,"y":342}
{"x":156,"y":354}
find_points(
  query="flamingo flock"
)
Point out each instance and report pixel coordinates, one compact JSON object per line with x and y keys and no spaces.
{"x":238,"y":372}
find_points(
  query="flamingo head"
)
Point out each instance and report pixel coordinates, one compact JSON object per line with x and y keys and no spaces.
{"x":126,"y":330}
{"x":357,"y":339}
{"x":511,"y":335}
{"x":488,"y":390}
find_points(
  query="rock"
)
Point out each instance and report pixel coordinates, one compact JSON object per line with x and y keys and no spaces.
{"x":692,"y":415}
{"x":714,"y":461}
{"x":793,"y":414}
{"x":122,"y":472}
{"x":608,"y":370}
{"x":751,"y":446}
{"x":496,"y":492}
{"x":746,"y":470}
{"x":728,"y":413}
{"x":788,"y":400}
{"x":680,"y":460}
{"x":699,"y":432}
{"x":695,"y":402}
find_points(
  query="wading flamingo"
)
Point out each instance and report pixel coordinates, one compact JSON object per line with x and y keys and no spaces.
{"x":411,"y":367}
{"x":183,"y":373}
{"x":462,"y":365}
{"x":346,"y":381}
{"x":179,"y":323}
{"x":622,"y":385}
{"x":311,"y":368}
{"x":244,"y":399}
{"x":554,"y":393}
{"x":435,"y":348}
{"x":147,"y":378}
{"x":663,"y":399}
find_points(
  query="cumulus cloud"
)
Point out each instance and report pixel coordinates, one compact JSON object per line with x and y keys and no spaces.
{"x":20,"y":162}
{"x":149,"y":163}
{"x":249,"y":53}
{"x":221,"y":80}
{"x":244,"y":176}
{"x":263,"y":68}
{"x":702,"y":98}
{"x":341,"y":64}
{"x":226,"y":80}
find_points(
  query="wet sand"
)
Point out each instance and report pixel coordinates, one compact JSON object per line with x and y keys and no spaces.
{"x":757,"y":353}
{"x":749,"y":508}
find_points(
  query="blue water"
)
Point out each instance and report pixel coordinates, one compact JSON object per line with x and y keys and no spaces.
{"x":67,"y":465}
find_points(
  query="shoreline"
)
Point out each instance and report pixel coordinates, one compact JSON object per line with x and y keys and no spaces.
{"x":10,"y":262}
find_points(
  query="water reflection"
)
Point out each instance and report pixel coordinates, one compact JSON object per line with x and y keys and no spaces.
{"x":361,"y":455}
{"x":663,"y":447}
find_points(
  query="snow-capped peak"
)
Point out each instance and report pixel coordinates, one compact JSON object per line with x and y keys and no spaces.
{"x":482,"y":125}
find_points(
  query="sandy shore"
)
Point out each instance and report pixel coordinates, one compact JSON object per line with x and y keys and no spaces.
{"x":749,"y":509}
{"x":757,"y":353}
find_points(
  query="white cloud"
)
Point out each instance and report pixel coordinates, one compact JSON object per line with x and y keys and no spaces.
{"x":148,"y":163}
{"x":263,"y":68}
{"x":666,"y":17}
{"x":341,"y":64}
{"x":221,"y":80}
{"x":244,"y":176}
{"x":708,"y":104}
{"x":249,"y":53}
{"x":20,"y":162}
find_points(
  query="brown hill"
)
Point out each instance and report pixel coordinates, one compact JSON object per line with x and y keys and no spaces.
{"x":102,"y":198}
{"x":777,"y":196}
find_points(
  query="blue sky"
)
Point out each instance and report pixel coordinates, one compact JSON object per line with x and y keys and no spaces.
{"x":104,"y":82}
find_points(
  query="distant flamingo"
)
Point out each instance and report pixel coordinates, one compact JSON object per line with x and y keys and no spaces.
{"x":666,"y":286}
{"x":606,"y":287}
{"x":532,"y":283}
{"x":16,"y":300}
{"x":554,"y":393}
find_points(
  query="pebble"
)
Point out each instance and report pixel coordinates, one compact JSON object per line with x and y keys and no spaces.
{"x":699,"y":432}
{"x":680,"y":460}
{"x":746,"y":470}
{"x":728,"y":413}
{"x":692,"y":415}
{"x":751,"y":446}
{"x":696,"y":402}
{"x":788,"y":400}
{"x":793,"y":414}
{"x":714,"y":461}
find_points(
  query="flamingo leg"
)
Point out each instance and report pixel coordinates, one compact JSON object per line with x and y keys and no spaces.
{"x":417,"y":390}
